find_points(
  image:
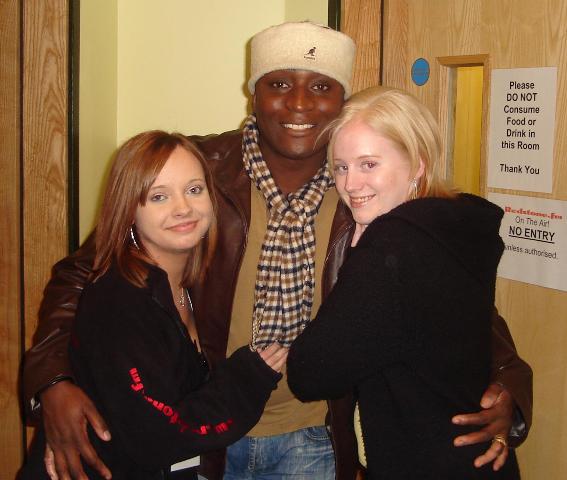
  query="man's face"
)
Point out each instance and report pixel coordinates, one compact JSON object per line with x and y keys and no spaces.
{"x":292,"y":108}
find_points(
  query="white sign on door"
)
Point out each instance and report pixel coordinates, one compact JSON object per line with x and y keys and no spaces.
{"x":534,"y":231}
{"x":522,"y":125}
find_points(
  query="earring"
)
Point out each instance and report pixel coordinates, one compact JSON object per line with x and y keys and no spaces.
{"x":414,"y":189}
{"x":133,"y":238}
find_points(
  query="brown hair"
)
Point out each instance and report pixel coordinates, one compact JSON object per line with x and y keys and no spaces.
{"x":135,"y":167}
{"x":400,"y":117}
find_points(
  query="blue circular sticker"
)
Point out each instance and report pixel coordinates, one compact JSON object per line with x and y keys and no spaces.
{"x":420,"y":72}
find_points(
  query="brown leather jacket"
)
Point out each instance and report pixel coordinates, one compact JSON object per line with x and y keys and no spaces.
{"x":47,"y":359}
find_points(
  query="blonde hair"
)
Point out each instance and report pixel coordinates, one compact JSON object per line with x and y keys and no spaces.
{"x":401,"y":118}
{"x":136,"y":165}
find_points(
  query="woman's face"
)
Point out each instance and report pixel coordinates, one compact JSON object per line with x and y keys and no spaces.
{"x":372,"y":174}
{"x":178,"y":209}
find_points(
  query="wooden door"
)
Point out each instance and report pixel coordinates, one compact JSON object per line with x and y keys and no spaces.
{"x":500,"y":34}
{"x":33,"y":192}
{"x":11,"y":430}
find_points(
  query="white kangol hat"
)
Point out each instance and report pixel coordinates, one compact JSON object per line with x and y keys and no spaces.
{"x":302,"y":46}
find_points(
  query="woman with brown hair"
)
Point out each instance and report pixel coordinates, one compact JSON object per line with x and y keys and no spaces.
{"x":134,"y":347}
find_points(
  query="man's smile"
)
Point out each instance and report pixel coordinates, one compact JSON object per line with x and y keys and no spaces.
{"x":296,"y":126}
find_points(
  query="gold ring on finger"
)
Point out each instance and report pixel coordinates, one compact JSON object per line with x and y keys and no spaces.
{"x":501,"y":439}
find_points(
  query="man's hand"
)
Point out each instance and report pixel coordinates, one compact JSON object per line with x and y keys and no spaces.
{"x":66,"y":412}
{"x":496,"y":419}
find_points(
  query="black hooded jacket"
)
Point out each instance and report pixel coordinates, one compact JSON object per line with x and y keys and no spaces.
{"x":407,"y":328}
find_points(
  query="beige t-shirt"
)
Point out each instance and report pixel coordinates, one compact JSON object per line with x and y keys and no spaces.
{"x":283,"y":412}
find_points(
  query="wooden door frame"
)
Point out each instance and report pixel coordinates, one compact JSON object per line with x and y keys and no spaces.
{"x":11,"y":429}
{"x":446,"y":107}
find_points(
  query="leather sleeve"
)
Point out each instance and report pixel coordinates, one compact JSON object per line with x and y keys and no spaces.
{"x":513,"y":373}
{"x":47,"y":360}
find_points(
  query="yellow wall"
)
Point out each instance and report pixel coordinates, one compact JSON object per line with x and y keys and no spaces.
{"x":174,"y":64}
{"x":314,"y":10}
{"x":181,"y":64}
{"x":97,"y":102}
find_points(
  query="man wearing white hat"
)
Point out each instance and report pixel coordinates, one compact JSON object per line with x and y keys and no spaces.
{"x":283,"y":234}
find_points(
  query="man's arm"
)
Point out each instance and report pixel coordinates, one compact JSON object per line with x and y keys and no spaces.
{"x":47,"y":377}
{"x":514,"y":374}
{"x":507,"y":403}
{"x":46,"y":362}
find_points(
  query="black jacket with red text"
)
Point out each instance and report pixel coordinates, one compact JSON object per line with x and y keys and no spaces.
{"x":131,"y":353}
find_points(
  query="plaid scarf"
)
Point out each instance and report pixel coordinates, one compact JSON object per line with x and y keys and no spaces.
{"x":285,"y":279}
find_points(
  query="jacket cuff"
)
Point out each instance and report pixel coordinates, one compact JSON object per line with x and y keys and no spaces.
{"x":35,"y":403}
{"x":514,"y":379}
{"x":519,"y":430}
{"x":44,"y":365}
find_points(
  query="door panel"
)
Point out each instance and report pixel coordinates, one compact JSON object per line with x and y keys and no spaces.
{"x":502,"y":34}
{"x":360,"y":19}
{"x":467,"y":129}
{"x":45,"y":148}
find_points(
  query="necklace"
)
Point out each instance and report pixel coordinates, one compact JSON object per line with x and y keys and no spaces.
{"x":181,"y":300}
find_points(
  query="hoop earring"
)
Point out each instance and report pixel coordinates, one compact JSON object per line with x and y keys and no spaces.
{"x":413,"y":195}
{"x":133,"y":238}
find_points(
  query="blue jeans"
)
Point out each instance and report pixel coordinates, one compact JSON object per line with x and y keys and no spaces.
{"x":301,"y":455}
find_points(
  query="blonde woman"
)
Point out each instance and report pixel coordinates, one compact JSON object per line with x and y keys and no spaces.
{"x":407,"y":326}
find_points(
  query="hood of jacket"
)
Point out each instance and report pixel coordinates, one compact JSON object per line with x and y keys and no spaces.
{"x":466,"y":226}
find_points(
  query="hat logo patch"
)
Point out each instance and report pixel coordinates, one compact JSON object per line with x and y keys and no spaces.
{"x":310,"y":55}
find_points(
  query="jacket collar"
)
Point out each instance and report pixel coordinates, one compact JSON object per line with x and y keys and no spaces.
{"x":232,"y":181}
{"x":343,"y":223}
